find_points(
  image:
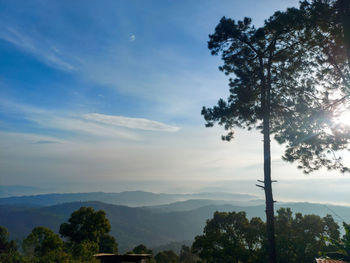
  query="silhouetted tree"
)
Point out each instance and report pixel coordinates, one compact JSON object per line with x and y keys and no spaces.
{"x":328,"y":27}
{"x":257,"y":57}
{"x":312,"y":138}
{"x":343,"y":7}
{"x":275,"y":88}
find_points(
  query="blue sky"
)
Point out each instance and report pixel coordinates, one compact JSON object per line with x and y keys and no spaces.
{"x":106,"y":95}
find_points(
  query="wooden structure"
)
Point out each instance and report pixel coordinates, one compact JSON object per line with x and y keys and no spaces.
{"x":115,"y":258}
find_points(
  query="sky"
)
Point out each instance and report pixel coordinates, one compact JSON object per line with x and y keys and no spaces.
{"x":106,"y":96}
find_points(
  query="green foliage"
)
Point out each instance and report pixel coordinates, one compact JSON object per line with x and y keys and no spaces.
{"x":84,"y":251}
{"x":86,"y":231}
{"x":55,"y":256}
{"x":41,"y":242}
{"x":141,"y":249}
{"x":327,"y":26}
{"x":11,"y":257}
{"x":342,"y":247}
{"x":6,"y":245}
{"x":85,"y":225}
{"x":167,"y":256}
{"x":258,"y":58}
{"x":288,"y":58}
{"x":231,"y":237}
{"x":8,"y":249}
{"x":313,"y":138}
{"x":301,"y":238}
{"x":108,"y":244}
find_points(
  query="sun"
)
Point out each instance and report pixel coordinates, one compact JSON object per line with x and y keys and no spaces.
{"x":343,"y":118}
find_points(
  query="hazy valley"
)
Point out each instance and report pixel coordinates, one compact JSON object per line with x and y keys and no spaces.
{"x":143,"y":217}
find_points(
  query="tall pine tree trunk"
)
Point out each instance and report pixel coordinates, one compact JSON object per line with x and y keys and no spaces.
{"x":265,"y":105}
{"x":270,"y":225}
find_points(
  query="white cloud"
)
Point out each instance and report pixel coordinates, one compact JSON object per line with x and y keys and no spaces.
{"x":132,"y":123}
{"x":81,"y":126}
{"x":27,"y":43}
{"x":93,"y":124}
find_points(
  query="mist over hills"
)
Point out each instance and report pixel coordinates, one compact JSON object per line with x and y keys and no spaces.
{"x":131,"y":226}
{"x":155,"y":226}
{"x":17,"y":190}
{"x":130,"y":198}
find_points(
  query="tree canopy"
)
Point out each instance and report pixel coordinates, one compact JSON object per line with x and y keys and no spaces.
{"x":167,"y":256}
{"x":231,"y":237}
{"x":41,"y":241}
{"x":87,"y":231}
{"x":85,"y":225}
{"x":5,"y":244}
{"x":341,"y":249}
{"x":8,"y":249}
{"x":301,"y":238}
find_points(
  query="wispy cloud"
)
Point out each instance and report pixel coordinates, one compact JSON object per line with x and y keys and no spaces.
{"x":80,"y":126}
{"x":11,"y":139}
{"x":132,"y":123}
{"x":50,"y":56}
{"x":92,"y":124}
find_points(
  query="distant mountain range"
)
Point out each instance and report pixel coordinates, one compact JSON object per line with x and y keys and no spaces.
{"x":132,"y":198}
{"x":16,"y":190}
{"x":155,"y":226}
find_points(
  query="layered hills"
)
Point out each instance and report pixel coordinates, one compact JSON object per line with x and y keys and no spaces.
{"x":152,"y":222}
{"x":130,"y":198}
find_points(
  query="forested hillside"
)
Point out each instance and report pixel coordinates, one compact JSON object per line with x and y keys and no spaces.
{"x":154,"y":226}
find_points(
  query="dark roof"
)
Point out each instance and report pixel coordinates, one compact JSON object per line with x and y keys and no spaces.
{"x":119,"y":258}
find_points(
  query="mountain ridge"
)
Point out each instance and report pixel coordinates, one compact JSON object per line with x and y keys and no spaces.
{"x":129,"y":198}
{"x":135,"y":225}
